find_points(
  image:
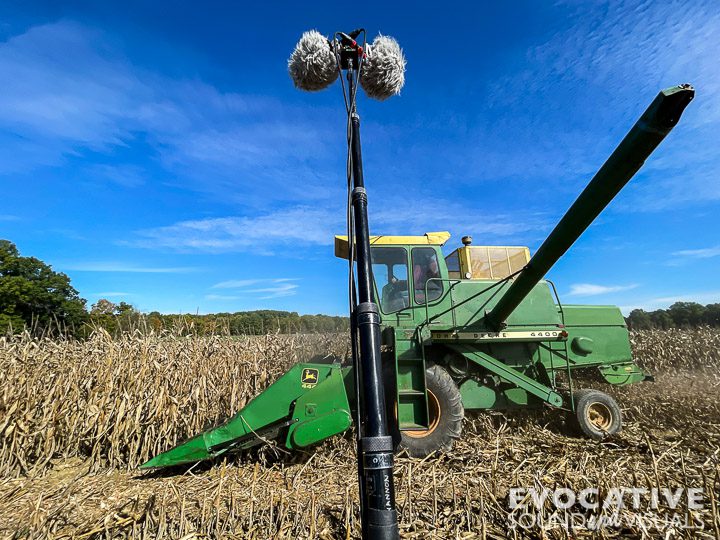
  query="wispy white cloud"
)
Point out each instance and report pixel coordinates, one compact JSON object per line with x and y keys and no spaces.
{"x":240,"y":283}
{"x":662,"y":302}
{"x":121,"y":267}
{"x":111,"y":294}
{"x":123,"y":175}
{"x":654,"y":44}
{"x":269,"y":288}
{"x":9,"y":217}
{"x":590,"y":289}
{"x":603,"y":70}
{"x":224,"y":297}
{"x":316,"y":226}
{"x":395,"y":216}
{"x":702,"y":253}
{"x":235,"y":283}
{"x":69,"y":108}
{"x":287,"y":289}
{"x":299,"y":225}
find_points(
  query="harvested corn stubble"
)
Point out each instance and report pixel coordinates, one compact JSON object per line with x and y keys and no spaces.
{"x":78,"y":417}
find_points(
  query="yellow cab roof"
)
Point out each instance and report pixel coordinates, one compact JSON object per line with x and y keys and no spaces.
{"x":428,"y":239}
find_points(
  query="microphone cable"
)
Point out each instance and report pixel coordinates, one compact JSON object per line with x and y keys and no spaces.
{"x":350,"y":109}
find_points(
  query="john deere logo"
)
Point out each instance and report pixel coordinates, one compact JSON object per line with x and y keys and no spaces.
{"x":309,"y":377}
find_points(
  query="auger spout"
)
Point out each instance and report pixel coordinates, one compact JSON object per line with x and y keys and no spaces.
{"x":647,"y":133}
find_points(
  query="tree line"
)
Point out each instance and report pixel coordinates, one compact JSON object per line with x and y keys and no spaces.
{"x":678,"y":315}
{"x":122,"y":317}
{"x":35,"y":297}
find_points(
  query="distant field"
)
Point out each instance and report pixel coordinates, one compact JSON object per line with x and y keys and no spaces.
{"x":77,"y":418}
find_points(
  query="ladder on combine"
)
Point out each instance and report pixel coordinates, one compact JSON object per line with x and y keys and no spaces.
{"x":412,"y":408}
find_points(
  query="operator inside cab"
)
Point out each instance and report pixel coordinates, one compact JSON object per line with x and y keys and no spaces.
{"x":395,"y":295}
{"x":425,"y":267}
{"x":392,"y":273}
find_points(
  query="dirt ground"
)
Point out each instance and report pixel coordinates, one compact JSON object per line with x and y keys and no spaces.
{"x":671,"y":439}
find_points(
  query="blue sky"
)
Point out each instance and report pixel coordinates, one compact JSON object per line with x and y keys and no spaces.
{"x":161,"y":155}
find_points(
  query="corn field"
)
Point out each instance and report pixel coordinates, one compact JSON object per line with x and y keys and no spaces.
{"x":78,"y":417}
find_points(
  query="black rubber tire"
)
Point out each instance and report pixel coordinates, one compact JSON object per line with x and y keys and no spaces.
{"x":585,"y":401}
{"x":449,"y":423}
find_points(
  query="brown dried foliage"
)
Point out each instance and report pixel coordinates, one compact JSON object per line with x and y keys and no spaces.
{"x":76,"y":418}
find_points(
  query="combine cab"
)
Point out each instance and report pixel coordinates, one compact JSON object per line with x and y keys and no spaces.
{"x":478,"y":329}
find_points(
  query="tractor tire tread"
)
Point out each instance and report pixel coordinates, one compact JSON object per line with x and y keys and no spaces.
{"x":451,"y":416}
{"x":582,"y":398}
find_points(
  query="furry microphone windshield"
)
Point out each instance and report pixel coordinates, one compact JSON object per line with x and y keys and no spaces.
{"x":383,"y":70}
{"x":312,"y":65}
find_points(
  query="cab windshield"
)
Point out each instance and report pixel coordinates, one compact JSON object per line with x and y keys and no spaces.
{"x":390,"y":270}
{"x":426,"y":274}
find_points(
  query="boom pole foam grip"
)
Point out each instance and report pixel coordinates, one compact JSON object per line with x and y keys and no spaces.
{"x":383,"y":70}
{"x":312,"y":65}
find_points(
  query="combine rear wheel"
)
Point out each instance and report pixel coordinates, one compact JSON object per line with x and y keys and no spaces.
{"x":446,"y":414}
{"x":597,"y":414}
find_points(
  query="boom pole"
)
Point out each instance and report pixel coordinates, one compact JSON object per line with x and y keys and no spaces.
{"x":375,"y":452}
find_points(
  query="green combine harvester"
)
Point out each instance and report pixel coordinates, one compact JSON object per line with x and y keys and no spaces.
{"x":477,"y":329}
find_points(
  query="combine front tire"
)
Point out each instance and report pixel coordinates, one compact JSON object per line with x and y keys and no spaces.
{"x":446,"y":414}
{"x":597,"y":414}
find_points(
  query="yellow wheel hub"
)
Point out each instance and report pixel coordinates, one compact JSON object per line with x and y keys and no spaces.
{"x":599,"y":416}
{"x":433,"y":418}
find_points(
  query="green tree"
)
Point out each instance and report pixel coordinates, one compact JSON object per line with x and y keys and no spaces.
{"x":686,"y":314}
{"x":123,"y":308}
{"x":103,"y":307}
{"x":661,"y":319}
{"x":115,"y":318}
{"x":639,"y":319}
{"x":32,"y":294}
{"x":712,"y":314}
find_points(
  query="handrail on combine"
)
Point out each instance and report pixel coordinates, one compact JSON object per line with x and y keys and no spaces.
{"x":567,"y":355}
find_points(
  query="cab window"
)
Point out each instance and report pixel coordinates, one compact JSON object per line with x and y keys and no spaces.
{"x":452,"y":262}
{"x":496,"y":262}
{"x":425,"y":268}
{"x":390,"y":271}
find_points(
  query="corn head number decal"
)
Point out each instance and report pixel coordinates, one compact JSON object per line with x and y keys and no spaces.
{"x":309,"y":377}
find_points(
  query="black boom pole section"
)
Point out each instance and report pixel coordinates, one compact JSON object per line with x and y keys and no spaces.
{"x":377,"y":490}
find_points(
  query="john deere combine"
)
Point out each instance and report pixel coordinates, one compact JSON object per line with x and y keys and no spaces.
{"x":477,"y":329}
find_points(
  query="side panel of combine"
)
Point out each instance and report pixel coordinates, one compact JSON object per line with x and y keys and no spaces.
{"x":597,"y":334}
{"x":504,"y":385}
{"x":472,"y":299}
{"x":599,"y":337}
